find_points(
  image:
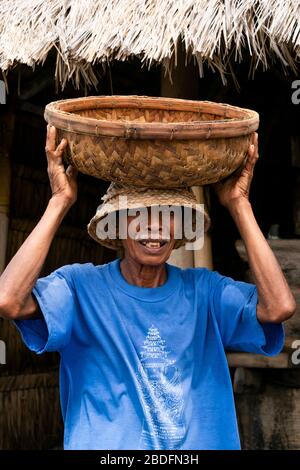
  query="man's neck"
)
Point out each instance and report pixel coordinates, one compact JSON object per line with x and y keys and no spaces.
{"x":142,"y":275}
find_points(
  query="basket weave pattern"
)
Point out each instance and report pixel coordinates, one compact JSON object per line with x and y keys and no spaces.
{"x":144,"y":197}
{"x":154,"y":142}
{"x":155,"y":163}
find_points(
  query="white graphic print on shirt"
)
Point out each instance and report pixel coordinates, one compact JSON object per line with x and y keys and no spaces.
{"x":159,"y":382}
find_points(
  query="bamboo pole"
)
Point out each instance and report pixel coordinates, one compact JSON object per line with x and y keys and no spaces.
{"x":6,"y":133}
{"x":203,"y":257}
{"x":185,"y":82}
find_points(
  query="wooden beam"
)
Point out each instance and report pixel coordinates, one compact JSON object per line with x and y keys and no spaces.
{"x":281,"y":361}
{"x":247,"y":380}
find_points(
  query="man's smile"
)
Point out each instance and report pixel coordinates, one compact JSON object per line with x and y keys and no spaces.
{"x":153,"y":245}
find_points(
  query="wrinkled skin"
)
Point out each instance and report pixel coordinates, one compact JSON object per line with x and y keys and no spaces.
{"x":144,"y":268}
{"x":143,"y":265}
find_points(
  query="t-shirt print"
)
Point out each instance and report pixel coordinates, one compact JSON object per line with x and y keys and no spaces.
{"x":145,"y":368}
{"x":162,"y":397}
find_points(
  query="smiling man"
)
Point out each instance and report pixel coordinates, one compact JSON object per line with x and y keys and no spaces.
{"x":142,"y":343}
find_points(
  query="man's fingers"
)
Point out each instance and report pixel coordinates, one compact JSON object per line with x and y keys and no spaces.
{"x":54,"y":154}
{"x":251,"y":160}
{"x":253,"y":150}
{"x":256,"y":144}
{"x":50,"y":142}
{"x":253,"y":147}
{"x":61,"y":147}
{"x":71,"y":171}
{"x":254,"y":137}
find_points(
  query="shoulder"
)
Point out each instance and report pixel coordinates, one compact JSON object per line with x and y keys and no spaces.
{"x":197,"y":276}
{"x":81,"y":271}
{"x":212,"y":280}
{"x":73,"y":269}
{"x":75,"y":272}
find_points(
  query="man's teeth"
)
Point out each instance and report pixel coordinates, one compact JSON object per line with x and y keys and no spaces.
{"x":157,"y":244}
{"x":153,"y":244}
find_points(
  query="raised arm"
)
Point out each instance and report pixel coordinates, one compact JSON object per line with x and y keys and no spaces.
{"x":275,"y":299}
{"x":20,"y":275}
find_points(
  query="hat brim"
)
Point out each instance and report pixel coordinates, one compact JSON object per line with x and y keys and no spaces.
{"x":116,"y":244}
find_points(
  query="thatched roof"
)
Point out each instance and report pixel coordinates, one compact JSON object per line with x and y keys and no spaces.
{"x":86,"y":32}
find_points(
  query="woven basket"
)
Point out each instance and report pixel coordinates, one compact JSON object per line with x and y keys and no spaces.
{"x":154,"y":142}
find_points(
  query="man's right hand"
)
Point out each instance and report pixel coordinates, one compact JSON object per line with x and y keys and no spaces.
{"x":63,"y":182}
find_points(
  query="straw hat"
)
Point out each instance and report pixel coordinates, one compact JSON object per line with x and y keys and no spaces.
{"x":142,"y":197}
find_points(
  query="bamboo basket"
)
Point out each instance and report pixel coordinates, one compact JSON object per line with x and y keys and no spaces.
{"x":151,"y":141}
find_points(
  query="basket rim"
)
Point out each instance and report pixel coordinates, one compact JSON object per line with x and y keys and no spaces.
{"x":235,"y":121}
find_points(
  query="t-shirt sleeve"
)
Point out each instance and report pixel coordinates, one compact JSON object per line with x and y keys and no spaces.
{"x":55,"y":295}
{"x":233,"y":304}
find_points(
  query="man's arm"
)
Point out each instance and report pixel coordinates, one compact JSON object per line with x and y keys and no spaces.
{"x":20,"y":275}
{"x":275,"y":299}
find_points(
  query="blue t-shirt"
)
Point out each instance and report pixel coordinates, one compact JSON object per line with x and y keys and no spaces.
{"x":145,"y":368}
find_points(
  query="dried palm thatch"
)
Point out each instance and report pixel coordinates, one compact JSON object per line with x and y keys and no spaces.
{"x":31,"y":191}
{"x":70,"y":245}
{"x":215,"y":32}
{"x":25,"y":420}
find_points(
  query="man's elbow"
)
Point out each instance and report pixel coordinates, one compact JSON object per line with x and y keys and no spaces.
{"x":287,"y":311}
{"x":279,"y":314}
{"x":8,"y":310}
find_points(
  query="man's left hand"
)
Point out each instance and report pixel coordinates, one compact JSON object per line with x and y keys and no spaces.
{"x":237,"y":187}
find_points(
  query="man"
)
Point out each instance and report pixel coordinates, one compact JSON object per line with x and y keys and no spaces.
{"x":142,"y":342}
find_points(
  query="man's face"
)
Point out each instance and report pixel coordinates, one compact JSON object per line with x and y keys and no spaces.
{"x":150,"y":245}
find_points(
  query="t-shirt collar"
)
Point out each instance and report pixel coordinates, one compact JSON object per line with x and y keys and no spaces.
{"x":150,"y":294}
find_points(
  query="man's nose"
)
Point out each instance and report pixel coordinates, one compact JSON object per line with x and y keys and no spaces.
{"x":154,"y":223}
